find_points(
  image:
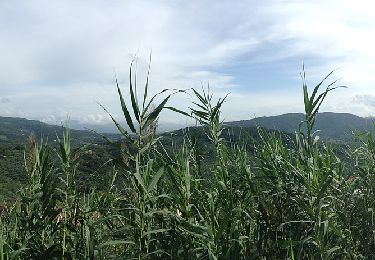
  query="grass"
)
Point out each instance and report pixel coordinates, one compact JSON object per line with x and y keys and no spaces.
{"x":292,"y":199}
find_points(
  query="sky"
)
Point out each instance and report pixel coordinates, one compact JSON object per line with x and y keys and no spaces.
{"x":58,"y":59}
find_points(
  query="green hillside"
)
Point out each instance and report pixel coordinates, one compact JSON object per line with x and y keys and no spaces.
{"x":14,"y":135}
{"x":14,"y":130}
{"x":95,"y":154}
{"x":334,"y":126}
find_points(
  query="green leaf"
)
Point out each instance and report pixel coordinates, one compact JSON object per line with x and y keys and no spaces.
{"x":119,"y":127}
{"x":152,"y":100}
{"x":146,"y":85}
{"x":154,"y":114}
{"x":217,"y":107}
{"x":178,"y":111}
{"x":116,"y":242}
{"x":200,"y":114}
{"x":125,"y":110}
{"x":109,"y":141}
{"x":324,"y":188}
{"x":155,"y":179}
{"x":200,"y":97}
{"x":318,"y":86}
{"x":306,"y":99}
{"x":139,"y":177}
{"x":132,"y":96}
{"x":200,"y":106}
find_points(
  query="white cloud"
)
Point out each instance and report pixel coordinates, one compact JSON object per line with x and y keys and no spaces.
{"x":58,"y":57}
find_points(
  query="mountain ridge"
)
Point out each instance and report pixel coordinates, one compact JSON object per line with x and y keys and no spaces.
{"x":330,"y":125}
{"x":16,"y":130}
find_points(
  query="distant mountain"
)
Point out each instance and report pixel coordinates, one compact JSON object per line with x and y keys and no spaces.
{"x":110,"y":127}
{"x":14,"y":130}
{"x":335,"y":126}
{"x":233,"y":135}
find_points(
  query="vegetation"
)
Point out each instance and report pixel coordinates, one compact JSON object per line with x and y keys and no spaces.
{"x":337,"y":127}
{"x":293,"y":198}
{"x":16,"y":131}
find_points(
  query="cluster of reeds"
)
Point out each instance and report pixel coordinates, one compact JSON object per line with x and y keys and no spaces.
{"x":289,"y":200}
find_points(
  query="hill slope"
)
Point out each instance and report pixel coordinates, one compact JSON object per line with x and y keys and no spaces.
{"x":14,"y":130}
{"x":336,"y":126}
{"x":14,"y":134}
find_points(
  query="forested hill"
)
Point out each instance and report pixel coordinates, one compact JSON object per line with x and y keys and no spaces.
{"x":334,"y":126}
{"x":14,"y":130}
{"x":14,"y":134}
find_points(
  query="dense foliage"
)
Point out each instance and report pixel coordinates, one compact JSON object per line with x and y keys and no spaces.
{"x":292,"y":199}
{"x":12,"y":171}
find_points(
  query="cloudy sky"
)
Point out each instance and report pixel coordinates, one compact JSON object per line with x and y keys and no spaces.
{"x":59,"y":58}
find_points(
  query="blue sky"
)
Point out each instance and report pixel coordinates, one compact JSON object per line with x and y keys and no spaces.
{"x":58,"y":58}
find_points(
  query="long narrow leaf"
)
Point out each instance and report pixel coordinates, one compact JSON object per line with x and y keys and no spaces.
{"x":118,"y":126}
{"x":155,"y":179}
{"x":146,"y":85}
{"x":178,"y":111}
{"x":125,"y":110}
{"x":154,"y":114}
{"x":133,"y":98}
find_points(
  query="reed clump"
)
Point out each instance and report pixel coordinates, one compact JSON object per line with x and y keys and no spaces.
{"x":288,"y":200}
